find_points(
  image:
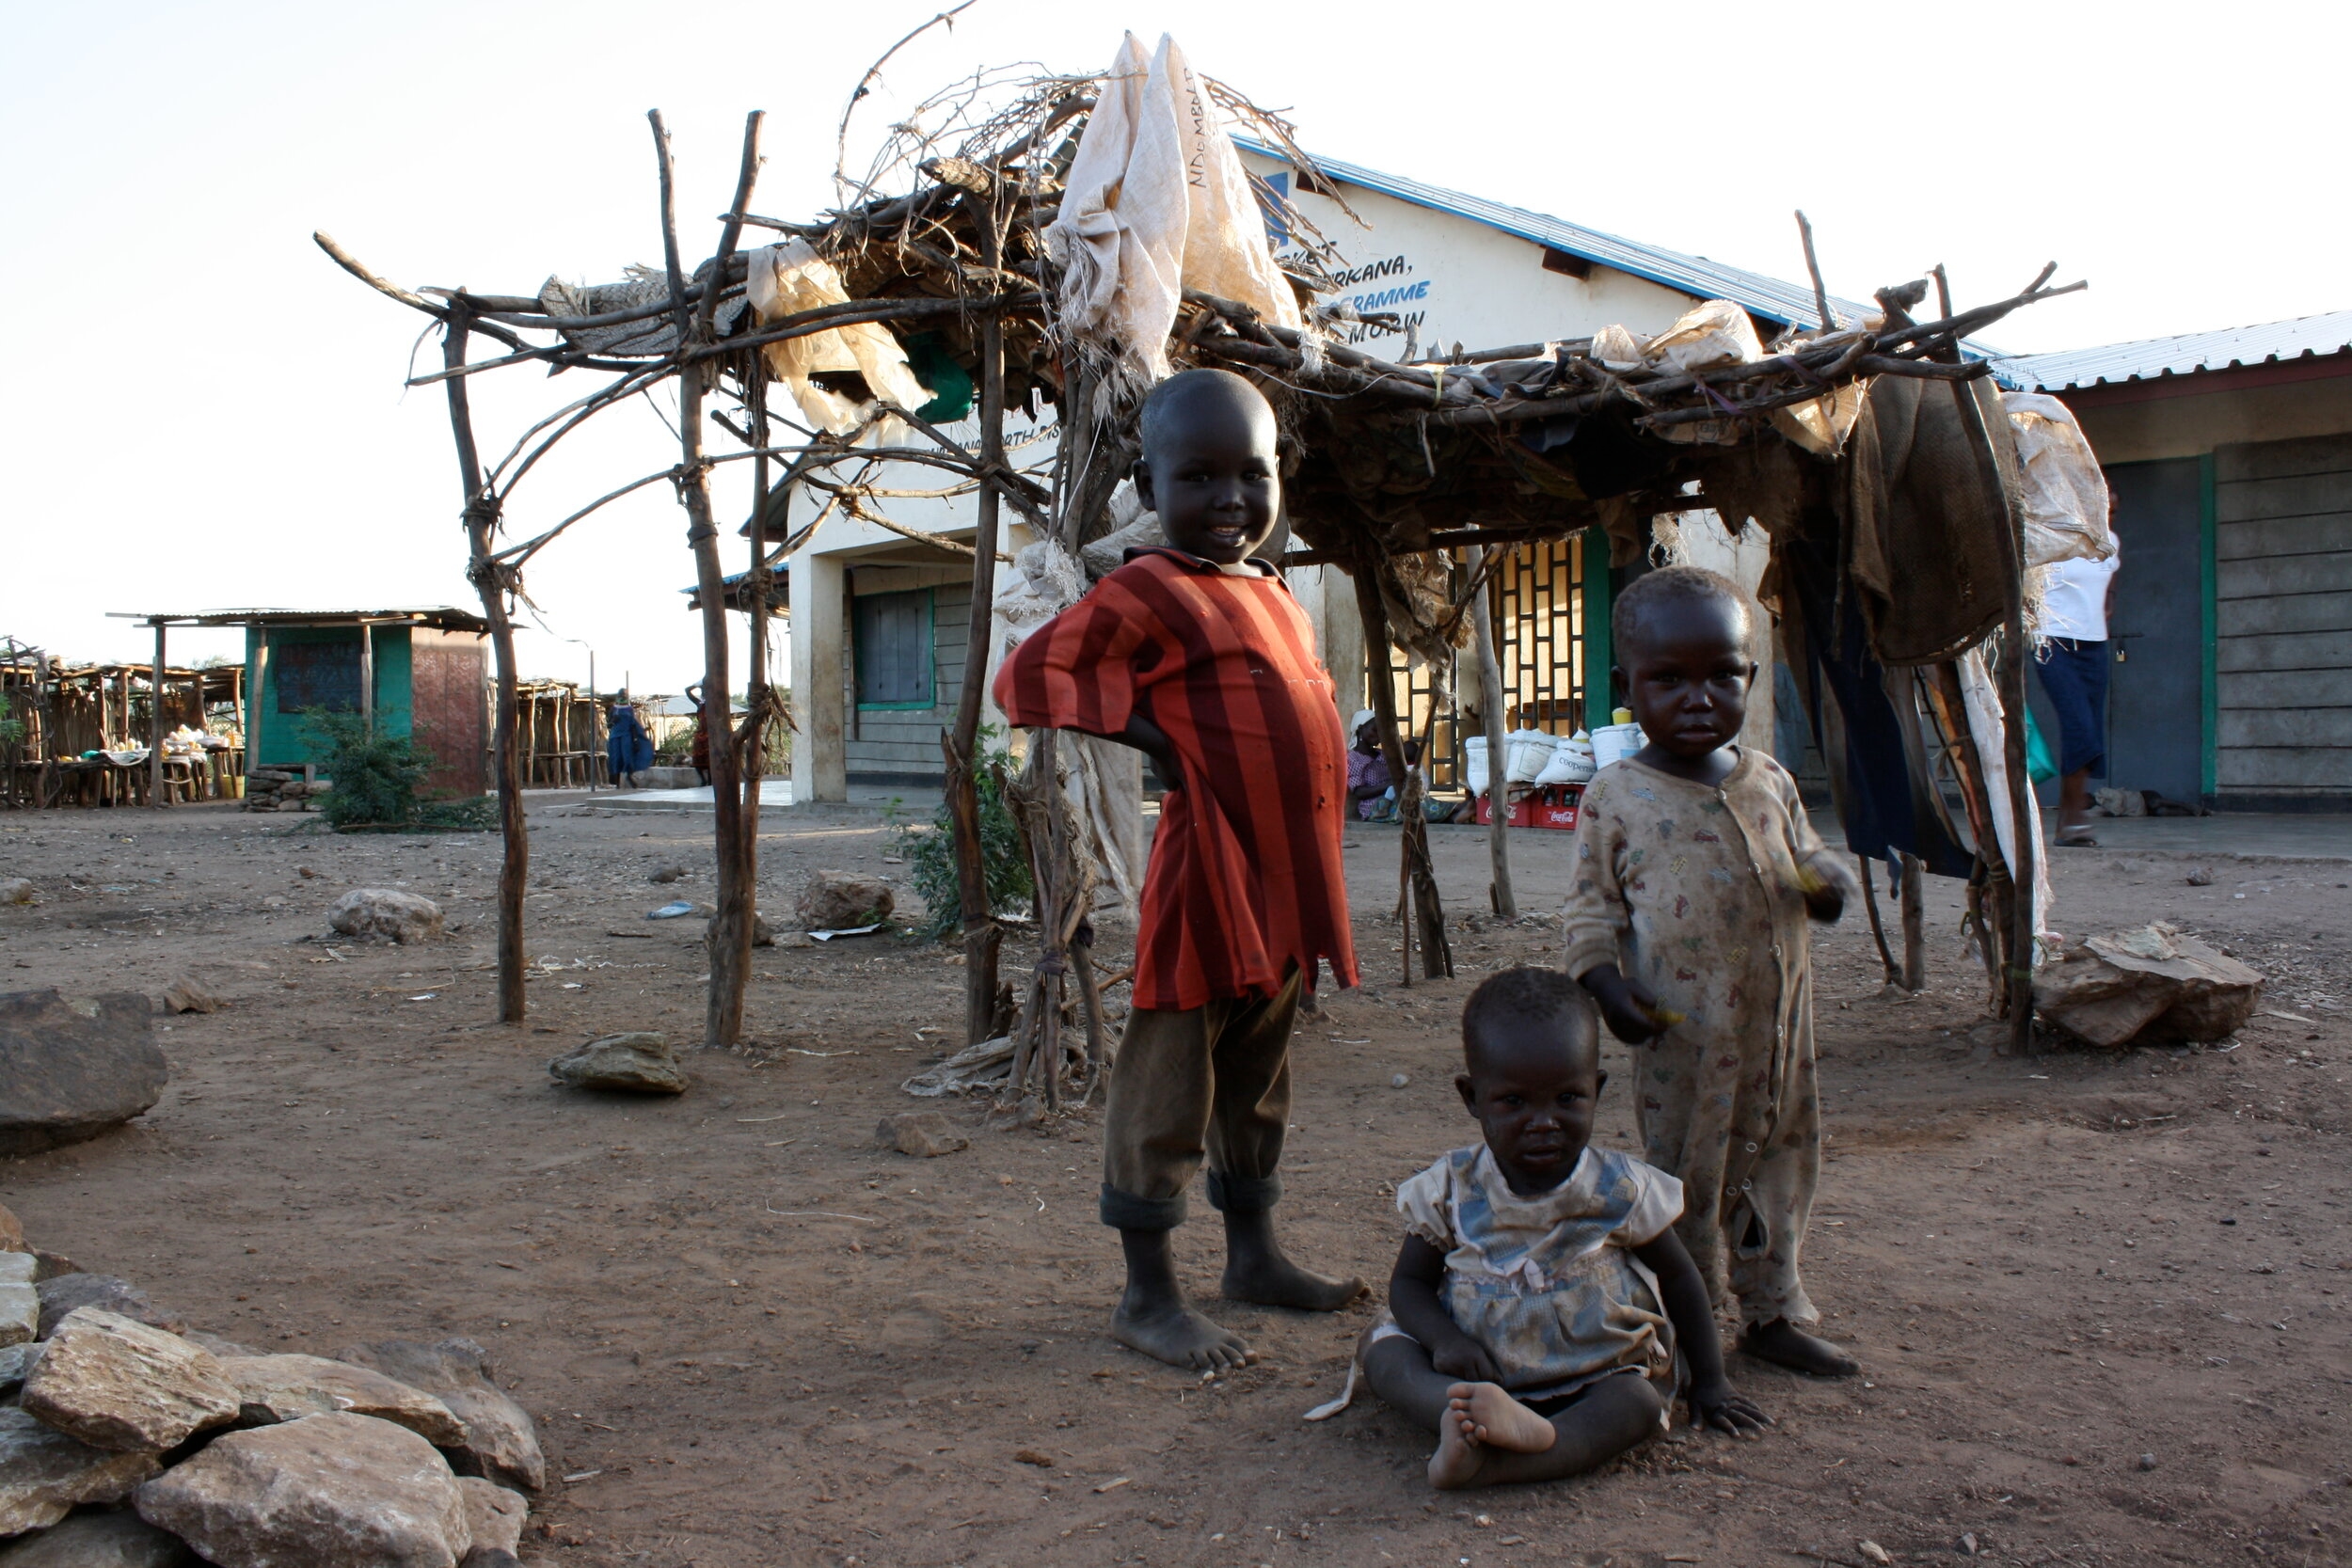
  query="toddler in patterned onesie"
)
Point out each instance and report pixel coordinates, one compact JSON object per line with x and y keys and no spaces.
{"x":1540,"y":1289}
{"x":1696,"y":874}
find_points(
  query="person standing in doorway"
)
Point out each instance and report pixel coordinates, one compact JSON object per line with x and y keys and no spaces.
{"x":2076,"y":598}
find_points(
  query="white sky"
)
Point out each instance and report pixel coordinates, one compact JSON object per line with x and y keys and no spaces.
{"x":204,"y":412}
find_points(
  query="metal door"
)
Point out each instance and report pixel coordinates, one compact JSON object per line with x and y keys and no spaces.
{"x":446,"y":683}
{"x":2157,"y":698}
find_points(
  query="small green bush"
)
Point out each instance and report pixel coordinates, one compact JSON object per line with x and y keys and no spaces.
{"x":374,"y":779}
{"x":930,"y":855}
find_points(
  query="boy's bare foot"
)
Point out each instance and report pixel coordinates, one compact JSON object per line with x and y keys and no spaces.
{"x":1276,"y":1281}
{"x":1459,"y":1458}
{"x":1498,"y":1419}
{"x":1257,"y":1271}
{"x":1174,"y":1333}
{"x":1783,"y":1344}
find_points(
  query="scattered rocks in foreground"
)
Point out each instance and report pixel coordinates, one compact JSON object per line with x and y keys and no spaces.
{"x":501,"y":1443}
{"x":72,"y":1069}
{"x":112,"y":1539}
{"x":44,"y":1473}
{"x":350,"y":1463}
{"x":116,"y":1383}
{"x":640,"y":1062}
{"x":842,"y":901}
{"x":2153,"y":986}
{"x":385,"y":914}
{"x":323,"y":1492}
{"x":189,"y":995}
{"x":17,"y":890}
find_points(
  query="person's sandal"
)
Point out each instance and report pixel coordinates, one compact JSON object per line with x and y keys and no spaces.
{"x":2076,"y":840}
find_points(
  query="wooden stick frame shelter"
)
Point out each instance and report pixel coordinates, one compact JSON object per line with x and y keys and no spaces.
{"x":962,"y":252}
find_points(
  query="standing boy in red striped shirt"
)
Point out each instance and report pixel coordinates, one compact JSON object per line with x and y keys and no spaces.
{"x":1197,"y":657}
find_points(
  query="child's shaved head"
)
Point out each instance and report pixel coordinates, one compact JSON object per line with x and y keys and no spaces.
{"x":1203,"y":394}
{"x":1523,"y":1007}
{"x":1637,"y":609}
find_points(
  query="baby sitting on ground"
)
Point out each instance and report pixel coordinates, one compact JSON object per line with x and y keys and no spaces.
{"x":1541,"y":1293}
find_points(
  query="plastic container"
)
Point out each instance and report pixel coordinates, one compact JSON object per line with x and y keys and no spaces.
{"x":1617,"y":741}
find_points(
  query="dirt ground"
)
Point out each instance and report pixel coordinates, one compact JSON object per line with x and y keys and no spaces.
{"x":2100,"y":1299}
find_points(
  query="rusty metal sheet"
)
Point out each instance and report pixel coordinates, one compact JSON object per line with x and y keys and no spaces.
{"x":450,"y":707}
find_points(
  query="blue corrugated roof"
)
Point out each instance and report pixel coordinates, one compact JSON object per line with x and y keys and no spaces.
{"x":2186,"y":354}
{"x":1768,"y":297}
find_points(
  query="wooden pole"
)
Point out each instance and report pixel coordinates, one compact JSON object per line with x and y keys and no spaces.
{"x":157,"y":794}
{"x":730,"y":934}
{"x":1914,"y":923}
{"x":1878,"y":927}
{"x":481,"y":514}
{"x":983,"y":938}
{"x":367,"y":677}
{"x":1498,"y":730}
{"x":254,"y":689}
{"x":1427,"y":913}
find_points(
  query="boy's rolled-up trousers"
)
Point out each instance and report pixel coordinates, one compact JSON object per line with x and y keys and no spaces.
{"x":1211,"y":1082}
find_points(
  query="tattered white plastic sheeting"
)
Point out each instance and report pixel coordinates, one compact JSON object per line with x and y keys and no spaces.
{"x":784,"y":279}
{"x":1717,"y":332}
{"x":2063,"y":494}
{"x":1983,"y":701}
{"x":1157,"y":202}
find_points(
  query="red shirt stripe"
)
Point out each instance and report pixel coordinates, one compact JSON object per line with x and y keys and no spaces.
{"x":1245,"y":878}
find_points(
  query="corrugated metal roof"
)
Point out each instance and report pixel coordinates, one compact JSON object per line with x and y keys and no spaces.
{"x":1768,"y":297}
{"x":2188,"y":354}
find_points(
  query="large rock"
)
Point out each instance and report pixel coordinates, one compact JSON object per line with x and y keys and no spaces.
{"x":323,"y":1492}
{"x":118,"y":1384}
{"x":640,"y":1062}
{"x":2153,"y":986}
{"x":496,"y":1517}
{"x":11,"y":1231}
{"x":841,"y":901}
{"x":114,"y":1539}
{"x":288,"y":1387}
{"x":385,"y":914}
{"x":20,"y":1299}
{"x":924,"y":1133}
{"x":70,"y":1069}
{"x":501,"y":1441}
{"x":16,"y":1365}
{"x":44,"y":1473}
{"x":63,"y":1294}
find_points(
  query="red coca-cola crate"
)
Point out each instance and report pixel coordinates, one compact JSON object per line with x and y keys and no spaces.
{"x":1554,"y":807}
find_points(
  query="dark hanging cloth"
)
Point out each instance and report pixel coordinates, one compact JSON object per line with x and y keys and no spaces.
{"x":1923,"y":528}
{"x":1872,"y":750}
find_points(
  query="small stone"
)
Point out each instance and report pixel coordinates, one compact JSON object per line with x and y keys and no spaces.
{"x":323,"y":1492}
{"x":497,"y":1517}
{"x":65,"y":1293}
{"x":188,"y":995}
{"x":763,"y":934}
{"x":385,"y":914}
{"x":2147,"y":1461}
{"x":288,"y":1387}
{"x":115,"y":1539}
{"x":11,"y":1231}
{"x":640,"y":1063}
{"x":1968,"y":1541}
{"x":2201,"y":878}
{"x":501,"y":1441}
{"x":842,"y":901}
{"x":1398,"y":1081}
{"x":667,"y":875}
{"x":1873,"y":1550}
{"x":54,"y":1265}
{"x":924,"y":1134}
{"x":71,"y":1068}
{"x":44,"y":1473}
{"x":115,"y":1382}
{"x":16,"y":890}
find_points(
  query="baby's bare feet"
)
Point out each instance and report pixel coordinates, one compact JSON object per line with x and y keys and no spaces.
{"x":1783,"y":1344}
{"x":1174,"y":1333}
{"x":1456,"y":1463}
{"x":1498,"y":1419}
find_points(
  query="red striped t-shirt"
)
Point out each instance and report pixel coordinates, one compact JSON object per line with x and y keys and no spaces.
{"x":1245,"y":879}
